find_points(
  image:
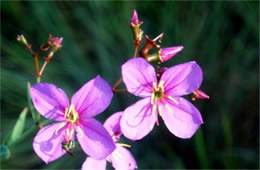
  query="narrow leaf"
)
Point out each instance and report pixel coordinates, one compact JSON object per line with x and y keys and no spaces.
{"x":19,"y":126}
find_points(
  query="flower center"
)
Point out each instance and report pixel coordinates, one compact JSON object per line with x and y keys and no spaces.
{"x":71,"y":114}
{"x":158,"y":93}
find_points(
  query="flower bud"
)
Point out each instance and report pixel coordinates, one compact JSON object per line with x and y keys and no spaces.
{"x":168,"y":53}
{"x":55,"y":41}
{"x":198,"y":94}
{"x":22,"y":39}
{"x":135,"y":26}
{"x":135,"y":20}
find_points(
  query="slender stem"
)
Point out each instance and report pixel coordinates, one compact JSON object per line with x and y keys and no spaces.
{"x":136,"y":50}
{"x":120,"y":91}
{"x":43,"y":67}
{"x":35,"y":57}
{"x":117,"y":84}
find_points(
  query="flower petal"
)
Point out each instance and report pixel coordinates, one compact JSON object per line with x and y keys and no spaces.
{"x":47,"y":144}
{"x":182,"y":79}
{"x":49,"y":100}
{"x":138,"y":76}
{"x":93,"y":164}
{"x":137,"y":120}
{"x":184,"y":120}
{"x":112,"y":124}
{"x":92,"y":98}
{"x":122,"y":158}
{"x":95,"y":140}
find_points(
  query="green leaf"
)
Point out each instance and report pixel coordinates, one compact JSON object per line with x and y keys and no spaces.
{"x":4,"y":152}
{"x":36,"y":117}
{"x":19,"y":126}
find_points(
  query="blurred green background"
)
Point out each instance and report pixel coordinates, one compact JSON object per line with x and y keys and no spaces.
{"x":223,"y":37}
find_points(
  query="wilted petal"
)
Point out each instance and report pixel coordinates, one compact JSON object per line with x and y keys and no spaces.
{"x":182,"y":79}
{"x":49,"y":100}
{"x":137,"y":120}
{"x":138,"y":76}
{"x":121,"y":158}
{"x":93,"y":164}
{"x":48,"y":145}
{"x":95,"y":140}
{"x":112,"y":124}
{"x":182,"y":119}
{"x":92,"y":98}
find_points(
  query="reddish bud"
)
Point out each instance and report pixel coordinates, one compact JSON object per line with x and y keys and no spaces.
{"x":198,"y":94}
{"x":168,"y":53}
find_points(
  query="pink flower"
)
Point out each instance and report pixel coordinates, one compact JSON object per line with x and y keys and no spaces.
{"x":121,"y":158}
{"x":54,"y":140}
{"x":55,"y":41}
{"x":135,"y":20}
{"x":166,"y":54}
{"x":161,"y":97}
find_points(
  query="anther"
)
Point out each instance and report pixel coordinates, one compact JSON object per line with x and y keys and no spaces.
{"x":61,"y":126}
{"x":123,"y":144}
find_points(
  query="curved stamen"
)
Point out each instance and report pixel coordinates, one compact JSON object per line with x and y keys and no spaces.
{"x":154,"y":110}
{"x":160,"y":110}
{"x":61,"y":126}
{"x":80,"y":132}
{"x":172,"y":99}
{"x":123,"y":144}
{"x":161,"y":85}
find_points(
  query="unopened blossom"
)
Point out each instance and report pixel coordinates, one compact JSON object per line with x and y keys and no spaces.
{"x":198,"y":94}
{"x":121,"y":158}
{"x":167,"y":53}
{"x":73,"y":118}
{"x":135,"y":19}
{"x":22,"y":39}
{"x":55,"y":41}
{"x":161,"y":98}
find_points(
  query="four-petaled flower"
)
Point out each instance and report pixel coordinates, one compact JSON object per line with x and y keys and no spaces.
{"x":121,"y":158}
{"x":56,"y":139}
{"x":161,"y":96}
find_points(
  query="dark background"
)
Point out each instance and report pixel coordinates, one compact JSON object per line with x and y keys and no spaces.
{"x":223,"y":37}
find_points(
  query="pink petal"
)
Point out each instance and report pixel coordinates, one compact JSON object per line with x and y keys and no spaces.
{"x":121,"y":158}
{"x":49,"y":100}
{"x":182,"y":79}
{"x":95,"y":140}
{"x":135,"y":20}
{"x":184,"y":120}
{"x":167,"y":53}
{"x":92,"y":98}
{"x":138,"y":76}
{"x":93,"y":164}
{"x":48,"y":145}
{"x":112,"y":124}
{"x":137,"y":120}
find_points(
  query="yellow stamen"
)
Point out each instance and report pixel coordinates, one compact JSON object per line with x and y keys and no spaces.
{"x":71,"y":133}
{"x":152,"y":98}
{"x":61,"y":126}
{"x":168,"y":108}
{"x":68,"y":132}
{"x":160,"y":110}
{"x":154,"y":110}
{"x":155,"y":86}
{"x":123,"y":144}
{"x":66,"y":112}
{"x":172,"y":99}
{"x":161,"y":85}
{"x":80,"y":132}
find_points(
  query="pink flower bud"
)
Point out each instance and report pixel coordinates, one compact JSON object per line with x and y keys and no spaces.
{"x":55,"y":41}
{"x":168,"y":53}
{"x":135,"y":20}
{"x":198,"y":94}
